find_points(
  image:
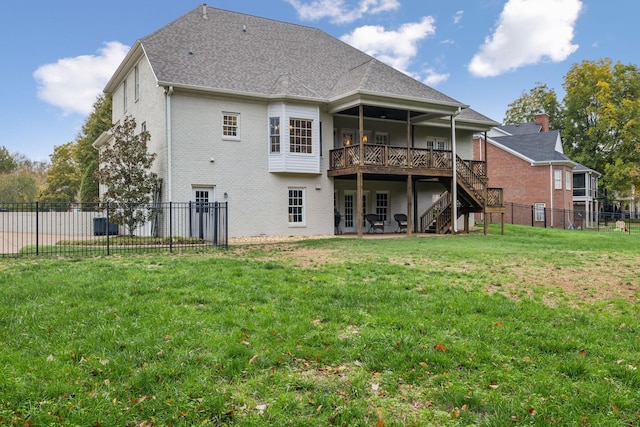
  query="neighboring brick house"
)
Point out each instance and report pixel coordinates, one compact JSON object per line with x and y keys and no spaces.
{"x":528,"y":162}
{"x":289,"y":125}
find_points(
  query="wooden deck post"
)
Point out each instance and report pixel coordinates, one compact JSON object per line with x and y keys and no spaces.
{"x":409,"y":204}
{"x":359,"y":194}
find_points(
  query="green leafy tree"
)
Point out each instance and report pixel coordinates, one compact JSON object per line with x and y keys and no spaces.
{"x":62,"y":182}
{"x":86,"y":156}
{"x":540,"y":99}
{"x":125,"y":171}
{"x":89,"y":184}
{"x":602,"y":121}
{"x":8,"y":162}
{"x":18,"y":187}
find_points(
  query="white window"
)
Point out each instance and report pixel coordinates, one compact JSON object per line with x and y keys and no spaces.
{"x":143,"y":127}
{"x":382,"y":206}
{"x":274,"y":134}
{"x":437,"y":143}
{"x":231,"y":126}
{"x":539,"y":210}
{"x":568,"y":177}
{"x":300,"y":136}
{"x":382,"y":138}
{"x":136,"y":75}
{"x":124,"y":95}
{"x":557,"y":174}
{"x":296,"y":206}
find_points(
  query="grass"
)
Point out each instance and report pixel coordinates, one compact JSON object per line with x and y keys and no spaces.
{"x":536,"y":327}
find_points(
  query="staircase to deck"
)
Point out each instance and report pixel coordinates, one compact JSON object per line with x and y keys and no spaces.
{"x":473,"y":196}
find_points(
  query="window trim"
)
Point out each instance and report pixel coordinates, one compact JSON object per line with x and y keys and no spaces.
{"x":382,"y":216}
{"x":136,"y":81}
{"x":557,"y":179}
{"x":540,"y":212}
{"x":225,"y":125}
{"x":275,"y":136}
{"x":125,"y":100}
{"x":568,"y":180}
{"x":292,"y":208}
{"x":304,"y":139}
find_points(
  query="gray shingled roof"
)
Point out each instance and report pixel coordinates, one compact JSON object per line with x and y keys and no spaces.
{"x":538,"y":147}
{"x":521,"y":129}
{"x":231,"y":51}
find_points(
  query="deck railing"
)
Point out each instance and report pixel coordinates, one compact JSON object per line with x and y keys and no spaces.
{"x":390,"y":156}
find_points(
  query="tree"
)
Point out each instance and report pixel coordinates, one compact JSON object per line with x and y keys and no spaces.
{"x":8,"y":162}
{"x":602,"y":121}
{"x":18,"y":187}
{"x":540,"y":99}
{"x":125,"y":171}
{"x":86,"y":156}
{"x":63,"y":182}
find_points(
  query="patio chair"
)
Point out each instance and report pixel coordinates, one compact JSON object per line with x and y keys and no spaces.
{"x":401,"y":220}
{"x":375,"y":225}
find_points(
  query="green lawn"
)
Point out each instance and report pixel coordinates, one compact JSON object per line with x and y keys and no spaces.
{"x":535,"y":327}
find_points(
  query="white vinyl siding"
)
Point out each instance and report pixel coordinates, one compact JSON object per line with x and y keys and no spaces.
{"x":299,"y":139}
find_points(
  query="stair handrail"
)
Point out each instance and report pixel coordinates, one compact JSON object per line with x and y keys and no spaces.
{"x":434,"y":211}
{"x":472,"y":181}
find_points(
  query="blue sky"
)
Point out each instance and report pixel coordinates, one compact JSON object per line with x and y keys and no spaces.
{"x":57,"y":56}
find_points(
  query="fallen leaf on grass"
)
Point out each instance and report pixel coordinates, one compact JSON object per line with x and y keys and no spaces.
{"x":440,"y":347}
{"x":493,"y":385}
{"x":253,"y":359}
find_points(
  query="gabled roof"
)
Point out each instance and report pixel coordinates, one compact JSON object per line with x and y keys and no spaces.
{"x":218,"y":50}
{"x":541,"y":147}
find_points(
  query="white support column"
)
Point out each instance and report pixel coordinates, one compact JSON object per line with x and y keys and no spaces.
{"x":454,"y":190}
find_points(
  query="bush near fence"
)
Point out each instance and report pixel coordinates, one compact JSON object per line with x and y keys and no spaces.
{"x":567,"y":219}
{"x":42,"y":228}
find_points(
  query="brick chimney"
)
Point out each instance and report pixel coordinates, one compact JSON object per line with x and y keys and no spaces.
{"x":542,"y":119}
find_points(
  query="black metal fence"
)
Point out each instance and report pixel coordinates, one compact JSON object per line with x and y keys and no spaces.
{"x":615,"y":222}
{"x":41,"y":228}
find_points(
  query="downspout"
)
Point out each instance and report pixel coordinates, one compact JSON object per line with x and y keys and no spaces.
{"x":454,"y":199}
{"x":551,"y":179}
{"x":168,"y":92}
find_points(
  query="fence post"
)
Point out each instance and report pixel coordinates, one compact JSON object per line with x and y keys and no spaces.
{"x":216,"y":208}
{"x":170,"y":227}
{"x":107,"y":228}
{"x":532,"y":215}
{"x":37,"y":228}
{"x":545,"y":217}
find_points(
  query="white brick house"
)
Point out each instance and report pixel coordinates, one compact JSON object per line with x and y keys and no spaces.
{"x":268,"y":116}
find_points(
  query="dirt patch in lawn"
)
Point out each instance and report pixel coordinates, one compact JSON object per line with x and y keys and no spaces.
{"x":586,"y":280}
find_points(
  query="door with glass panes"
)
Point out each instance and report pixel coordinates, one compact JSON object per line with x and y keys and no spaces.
{"x":202,"y":223}
{"x":350,"y":212}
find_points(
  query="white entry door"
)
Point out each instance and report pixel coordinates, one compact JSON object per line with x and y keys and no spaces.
{"x":350,"y":211}
{"x":202,"y":214}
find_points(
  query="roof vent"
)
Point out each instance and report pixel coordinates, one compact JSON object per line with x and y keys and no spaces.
{"x":204,"y":11}
{"x":244,"y":28}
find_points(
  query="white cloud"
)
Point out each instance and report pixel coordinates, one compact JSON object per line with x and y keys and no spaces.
{"x":73,"y":84}
{"x":395,"y":48}
{"x":339,"y":12}
{"x":434,"y":79}
{"x":528,"y":32}
{"x":458,"y":16}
